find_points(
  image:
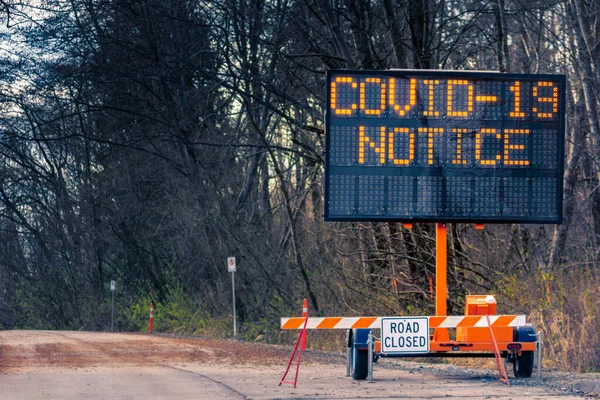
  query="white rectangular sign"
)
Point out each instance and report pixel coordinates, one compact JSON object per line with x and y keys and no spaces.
{"x":230,"y":264}
{"x":405,"y":335}
{"x":112,"y":285}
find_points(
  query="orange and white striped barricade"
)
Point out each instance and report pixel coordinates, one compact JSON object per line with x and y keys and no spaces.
{"x":473,"y":321}
{"x":464,"y":323}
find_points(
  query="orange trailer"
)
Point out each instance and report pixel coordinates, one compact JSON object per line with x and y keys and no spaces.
{"x":480,"y":332}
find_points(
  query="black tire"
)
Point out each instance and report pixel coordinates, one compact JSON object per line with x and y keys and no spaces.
{"x":523,"y":365}
{"x":360,"y":364}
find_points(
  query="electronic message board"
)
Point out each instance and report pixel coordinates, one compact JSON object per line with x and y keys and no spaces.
{"x":444,"y":146}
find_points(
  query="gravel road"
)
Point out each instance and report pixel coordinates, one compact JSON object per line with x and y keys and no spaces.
{"x":89,"y":365}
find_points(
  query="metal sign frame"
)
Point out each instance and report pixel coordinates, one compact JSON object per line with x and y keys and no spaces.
{"x":554,"y":174}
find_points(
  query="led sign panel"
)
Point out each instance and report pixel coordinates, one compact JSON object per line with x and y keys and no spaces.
{"x":444,"y":146}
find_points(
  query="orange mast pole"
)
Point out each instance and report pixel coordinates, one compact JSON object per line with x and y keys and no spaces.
{"x":441,"y":257}
{"x":441,"y":290}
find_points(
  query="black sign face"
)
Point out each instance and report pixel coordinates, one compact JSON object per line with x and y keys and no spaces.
{"x":444,"y":146}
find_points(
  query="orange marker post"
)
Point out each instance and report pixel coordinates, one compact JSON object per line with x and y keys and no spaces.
{"x":304,"y":315}
{"x":431,"y":287}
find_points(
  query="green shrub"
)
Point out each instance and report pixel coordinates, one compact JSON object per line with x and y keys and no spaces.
{"x":178,"y":313}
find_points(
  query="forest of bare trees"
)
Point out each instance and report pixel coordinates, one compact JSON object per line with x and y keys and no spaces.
{"x":146,"y":141}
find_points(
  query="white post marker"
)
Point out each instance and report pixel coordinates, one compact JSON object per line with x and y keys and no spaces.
{"x":113,"y":286}
{"x":408,"y":335}
{"x":231,"y":267}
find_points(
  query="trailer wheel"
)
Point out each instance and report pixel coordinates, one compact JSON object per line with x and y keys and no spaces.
{"x":523,"y":365}
{"x":360,"y":364}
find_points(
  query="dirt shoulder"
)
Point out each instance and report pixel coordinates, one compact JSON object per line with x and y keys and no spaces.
{"x":52,"y":364}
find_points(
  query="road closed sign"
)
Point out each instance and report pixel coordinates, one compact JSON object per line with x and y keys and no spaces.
{"x":405,"y":335}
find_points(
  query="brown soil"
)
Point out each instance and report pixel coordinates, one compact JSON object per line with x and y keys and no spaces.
{"x":89,"y":365}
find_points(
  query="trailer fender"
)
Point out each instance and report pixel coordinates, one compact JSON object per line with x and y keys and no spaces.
{"x":524,"y":334}
{"x":360,"y":338}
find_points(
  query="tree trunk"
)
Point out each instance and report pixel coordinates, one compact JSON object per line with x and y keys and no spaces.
{"x":502,"y":42}
{"x":559,"y":236}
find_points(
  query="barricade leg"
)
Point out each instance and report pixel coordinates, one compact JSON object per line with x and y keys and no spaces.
{"x":539,"y":356}
{"x":499,"y":362}
{"x":370,"y":344}
{"x":300,"y":347}
{"x":349,"y":361}
{"x":348,"y":353}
